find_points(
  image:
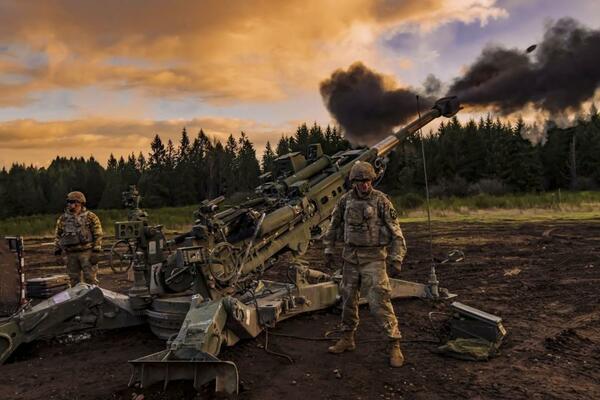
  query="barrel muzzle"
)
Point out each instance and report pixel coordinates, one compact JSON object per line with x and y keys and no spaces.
{"x":447,"y":106}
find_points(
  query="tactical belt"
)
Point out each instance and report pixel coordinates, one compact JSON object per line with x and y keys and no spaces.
{"x":78,"y":249}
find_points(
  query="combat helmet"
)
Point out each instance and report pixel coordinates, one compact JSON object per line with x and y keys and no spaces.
{"x":76,"y":196}
{"x":362,"y":171}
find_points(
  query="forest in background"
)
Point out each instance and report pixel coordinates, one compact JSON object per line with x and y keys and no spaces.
{"x":481,"y":156}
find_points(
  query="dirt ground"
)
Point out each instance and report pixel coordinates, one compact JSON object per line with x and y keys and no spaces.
{"x":541,"y":278}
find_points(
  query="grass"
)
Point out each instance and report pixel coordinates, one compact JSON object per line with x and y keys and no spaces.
{"x":548,"y":200}
{"x":510,"y":207}
{"x":479,"y":208}
{"x":172,"y":218}
{"x":504,"y":215}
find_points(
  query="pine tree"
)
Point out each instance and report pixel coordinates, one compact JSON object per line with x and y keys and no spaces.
{"x":249,"y":169}
{"x":183,"y":178}
{"x":230,"y":158}
{"x":111,"y":164}
{"x":24,"y":195}
{"x":283,"y":146}
{"x":301,"y":139}
{"x":555,"y":158}
{"x":111,"y":195}
{"x":141,"y":162}
{"x":268,"y":158}
{"x":153,"y":183}
{"x":184,"y":147}
{"x":201,"y":148}
{"x":315,"y":135}
{"x":4,"y":205}
{"x":221,"y":169}
{"x":157,"y":156}
{"x":170,"y":156}
{"x":92,"y":180}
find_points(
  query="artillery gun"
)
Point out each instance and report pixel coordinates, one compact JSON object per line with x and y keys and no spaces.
{"x":124,"y":252}
{"x":223,"y":255}
{"x":208,"y":292}
{"x":141,"y":246}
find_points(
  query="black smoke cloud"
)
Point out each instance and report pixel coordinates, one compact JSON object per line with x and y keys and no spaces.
{"x":557,"y":75}
{"x":368,"y":105}
{"x":432,"y":85}
{"x":564,"y":71}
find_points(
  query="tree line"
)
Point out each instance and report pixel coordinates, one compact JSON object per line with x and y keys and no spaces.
{"x":495,"y":157}
{"x":479,"y":156}
{"x":196,"y":168}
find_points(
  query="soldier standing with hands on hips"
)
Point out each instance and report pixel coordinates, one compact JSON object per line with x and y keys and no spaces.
{"x":367,"y":221}
{"x":79,"y":235}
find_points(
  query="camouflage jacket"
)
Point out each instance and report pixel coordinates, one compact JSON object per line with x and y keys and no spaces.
{"x":78,"y":232}
{"x":368,"y":227}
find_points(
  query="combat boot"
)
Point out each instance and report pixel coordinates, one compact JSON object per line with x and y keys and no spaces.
{"x":345,"y":343}
{"x":396,"y":356}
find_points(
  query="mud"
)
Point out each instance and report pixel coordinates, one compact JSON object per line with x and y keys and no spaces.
{"x":541,"y":278}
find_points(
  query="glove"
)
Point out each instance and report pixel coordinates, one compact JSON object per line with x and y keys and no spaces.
{"x":329,"y":258}
{"x":397,"y":265}
{"x":57,"y":251}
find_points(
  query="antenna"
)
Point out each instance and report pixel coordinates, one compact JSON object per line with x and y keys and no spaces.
{"x":433,"y":281}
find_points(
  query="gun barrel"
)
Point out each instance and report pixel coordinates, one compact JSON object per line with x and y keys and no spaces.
{"x":447,"y":106}
{"x":217,"y":200}
{"x":309,"y":171}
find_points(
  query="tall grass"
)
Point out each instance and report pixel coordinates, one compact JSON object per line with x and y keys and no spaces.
{"x":547,"y":201}
{"x":411,"y":206}
{"x":172,"y":218}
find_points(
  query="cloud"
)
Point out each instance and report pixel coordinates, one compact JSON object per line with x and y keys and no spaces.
{"x":219,"y":51}
{"x":367,"y":104}
{"x":557,"y":77}
{"x":38,"y":142}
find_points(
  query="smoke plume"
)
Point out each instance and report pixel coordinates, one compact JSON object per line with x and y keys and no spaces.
{"x":563,"y":73}
{"x":368,"y":105}
{"x":556,"y":75}
{"x":432,"y":86}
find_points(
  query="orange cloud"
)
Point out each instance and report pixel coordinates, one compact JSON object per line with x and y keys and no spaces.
{"x":35,"y":142}
{"x":220,"y":50}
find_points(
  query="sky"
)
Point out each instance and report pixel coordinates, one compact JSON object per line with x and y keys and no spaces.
{"x":89,"y":78}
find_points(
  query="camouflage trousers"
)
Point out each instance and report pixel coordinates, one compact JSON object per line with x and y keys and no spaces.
{"x":375,"y":284}
{"x":80,"y":262}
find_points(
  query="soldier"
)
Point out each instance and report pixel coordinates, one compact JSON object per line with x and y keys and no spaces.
{"x":79,"y":234}
{"x":366,"y":220}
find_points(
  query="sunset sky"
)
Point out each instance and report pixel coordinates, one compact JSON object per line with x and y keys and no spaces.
{"x":81,"y":78}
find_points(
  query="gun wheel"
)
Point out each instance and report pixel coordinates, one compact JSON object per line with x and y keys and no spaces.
{"x":120,"y":256}
{"x":223,"y":262}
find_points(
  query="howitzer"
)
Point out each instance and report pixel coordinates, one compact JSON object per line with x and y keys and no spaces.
{"x":208,"y":292}
{"x":225,"y":253}
{"x":286,"y":213}
{"x":88,"y":307}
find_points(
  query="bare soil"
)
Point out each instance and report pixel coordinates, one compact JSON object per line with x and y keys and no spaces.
{"x":541,"y":278}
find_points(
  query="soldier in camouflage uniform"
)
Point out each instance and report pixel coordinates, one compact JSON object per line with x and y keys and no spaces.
{"x":79,"y":235}
{"x":366,"y":220}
